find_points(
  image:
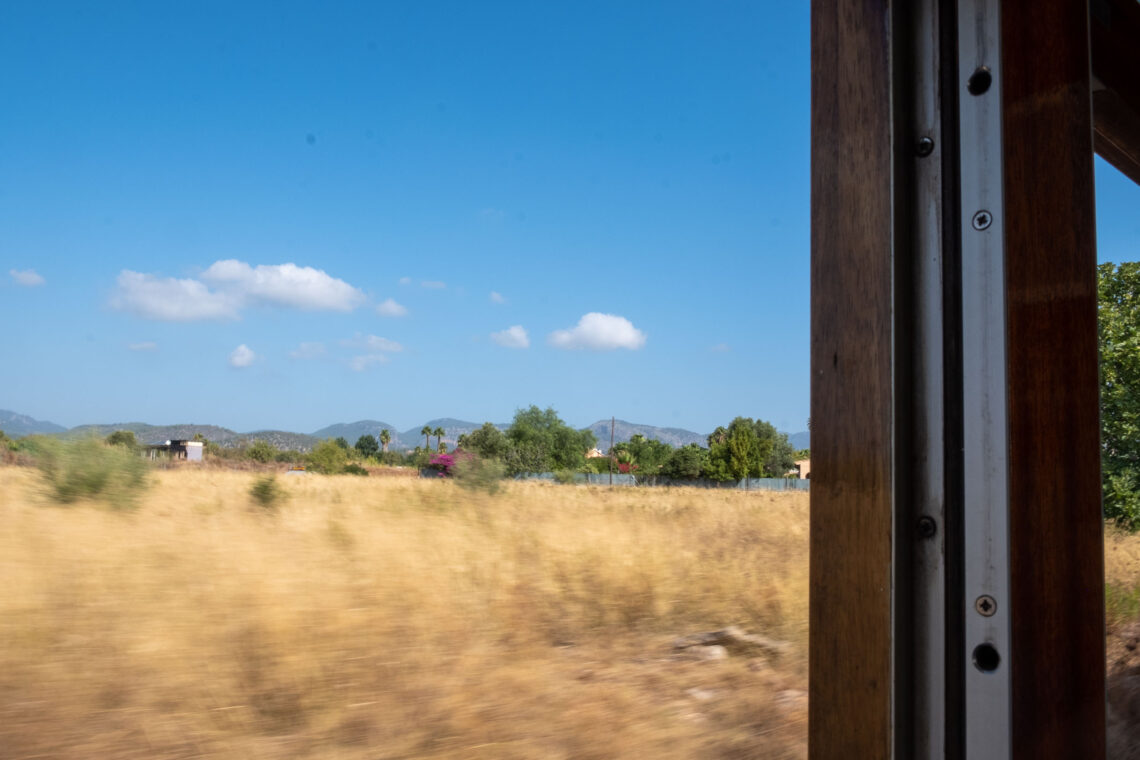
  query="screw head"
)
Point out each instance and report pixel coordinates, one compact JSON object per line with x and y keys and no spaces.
{"x":985,"y":605}
{"x":979,"y":81}
{"x":982,"y":220}
{"x":927,"y":527}
{"x":924,"y":147}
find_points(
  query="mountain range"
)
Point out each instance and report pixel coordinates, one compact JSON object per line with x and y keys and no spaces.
{"x":17,"y":425}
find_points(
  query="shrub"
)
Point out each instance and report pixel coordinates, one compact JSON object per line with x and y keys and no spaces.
{"x":354,"y":469}
{"x":442,"y":462}
{"x":261,"y":451}
{"x":478,"y":474}
{"x":328,"y":457}
{"x":267,"y":492}
{"x":89,"y":469}
{"x":565,"y":477}
{"x":124,"y":438}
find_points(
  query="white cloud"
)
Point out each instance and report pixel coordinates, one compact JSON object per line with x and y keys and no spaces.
{"x":171,"y":300}
{"x":512,"y":337}
{"x":232,"y":285}
{"x":376,"y":343}
{"x":242,"y":356}
{"x":497,"y":297}
{"x":372,"y":343}
{"x":146,"y":345}
{"x":308,"y":351}
{"x":284,"y":285}
{"x":361,"y":363}
{"x":29,"y":278}
{"x":433,"y":284}
{"x":599,"y":332}
{"x":389,"y":308}
{"x":405,"y":280}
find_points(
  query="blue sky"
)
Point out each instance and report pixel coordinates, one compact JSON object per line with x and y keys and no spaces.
{"x":283,"y":215}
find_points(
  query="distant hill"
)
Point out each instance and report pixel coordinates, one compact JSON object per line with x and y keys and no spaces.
{"x":146,"y":433}
{"x":452,"y":428}
{"x":351,"y":431}
{"x":222,"y":436}
{"x":18,"y":425}
{"x":282,"y":439}
{"x":623,"y":431}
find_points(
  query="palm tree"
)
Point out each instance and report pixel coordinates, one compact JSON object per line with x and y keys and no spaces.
{"x":438,"y":433}
{"x":385,"y":439}
{"x":425,"y":431}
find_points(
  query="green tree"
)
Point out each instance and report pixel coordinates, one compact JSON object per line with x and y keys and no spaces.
{"x":649,"y":454}
{"x":425,"y":431}
{"x":328,"y":457}
{"x":261,"y":451}
{"x":686,"y":462}
{"x":341,"y":441}
{"x":1118,"y":326}
{"x":124,"y":438}
{"x":438,"y":432}
{"x":488,"y":442}
{"x":777,"y":455}
{"x":541,"y":442}
{"x":735,"y":452}
{"x":367,"y":446}
{"x":385,"y":439}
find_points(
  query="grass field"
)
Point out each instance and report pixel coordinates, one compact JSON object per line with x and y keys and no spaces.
{"x":404,"y":618}
{"x":398,"y":618}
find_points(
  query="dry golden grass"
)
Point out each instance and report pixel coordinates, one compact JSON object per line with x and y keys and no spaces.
{"x":393,"y":618}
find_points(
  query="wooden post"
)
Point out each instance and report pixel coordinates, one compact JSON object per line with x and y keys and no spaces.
{"x":957,"y":607}
{"x":851,"y":517}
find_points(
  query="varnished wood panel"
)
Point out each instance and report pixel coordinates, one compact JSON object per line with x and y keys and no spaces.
{"x":1114,"y":32}
{"x":850,"y":691}
{"x":1056,"y":554}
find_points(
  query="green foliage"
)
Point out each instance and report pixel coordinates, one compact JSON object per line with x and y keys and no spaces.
{"x":777,"y":456}
{"x":261,"y":451}
{"x":328,"y":457}
{"x":737,"y":452}
{"x":541,"y":442}
{"x":267,"y":492}
{"x":89,"y":469}
{"x":1121,"y":605}
{"x":367,"y":446}
{"x":803,"y":454}
{"x":565,"y":477}
{"x":686,"y":463}
{"x":599,"y":465}
{"x":385,"y":439}
{"x":354,"y":469}
{"x":425,"y":431}
{"x":124,"y":438}
{"x":340,"y":441}
{"x":1118,"y":328}
{"x":488,"y":442}
{"x":475,"y":473}
{"x":748,"y":448}
{"x":649,"y":455}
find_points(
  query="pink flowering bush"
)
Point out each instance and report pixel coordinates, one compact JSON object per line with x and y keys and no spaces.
{"x":445,"y":463}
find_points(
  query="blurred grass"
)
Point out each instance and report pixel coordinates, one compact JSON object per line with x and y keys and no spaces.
{"x":385,"y":618}
{"x":1122,"y":578}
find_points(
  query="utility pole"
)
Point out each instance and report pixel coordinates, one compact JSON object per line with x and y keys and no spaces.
{"x":611,"y":451}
